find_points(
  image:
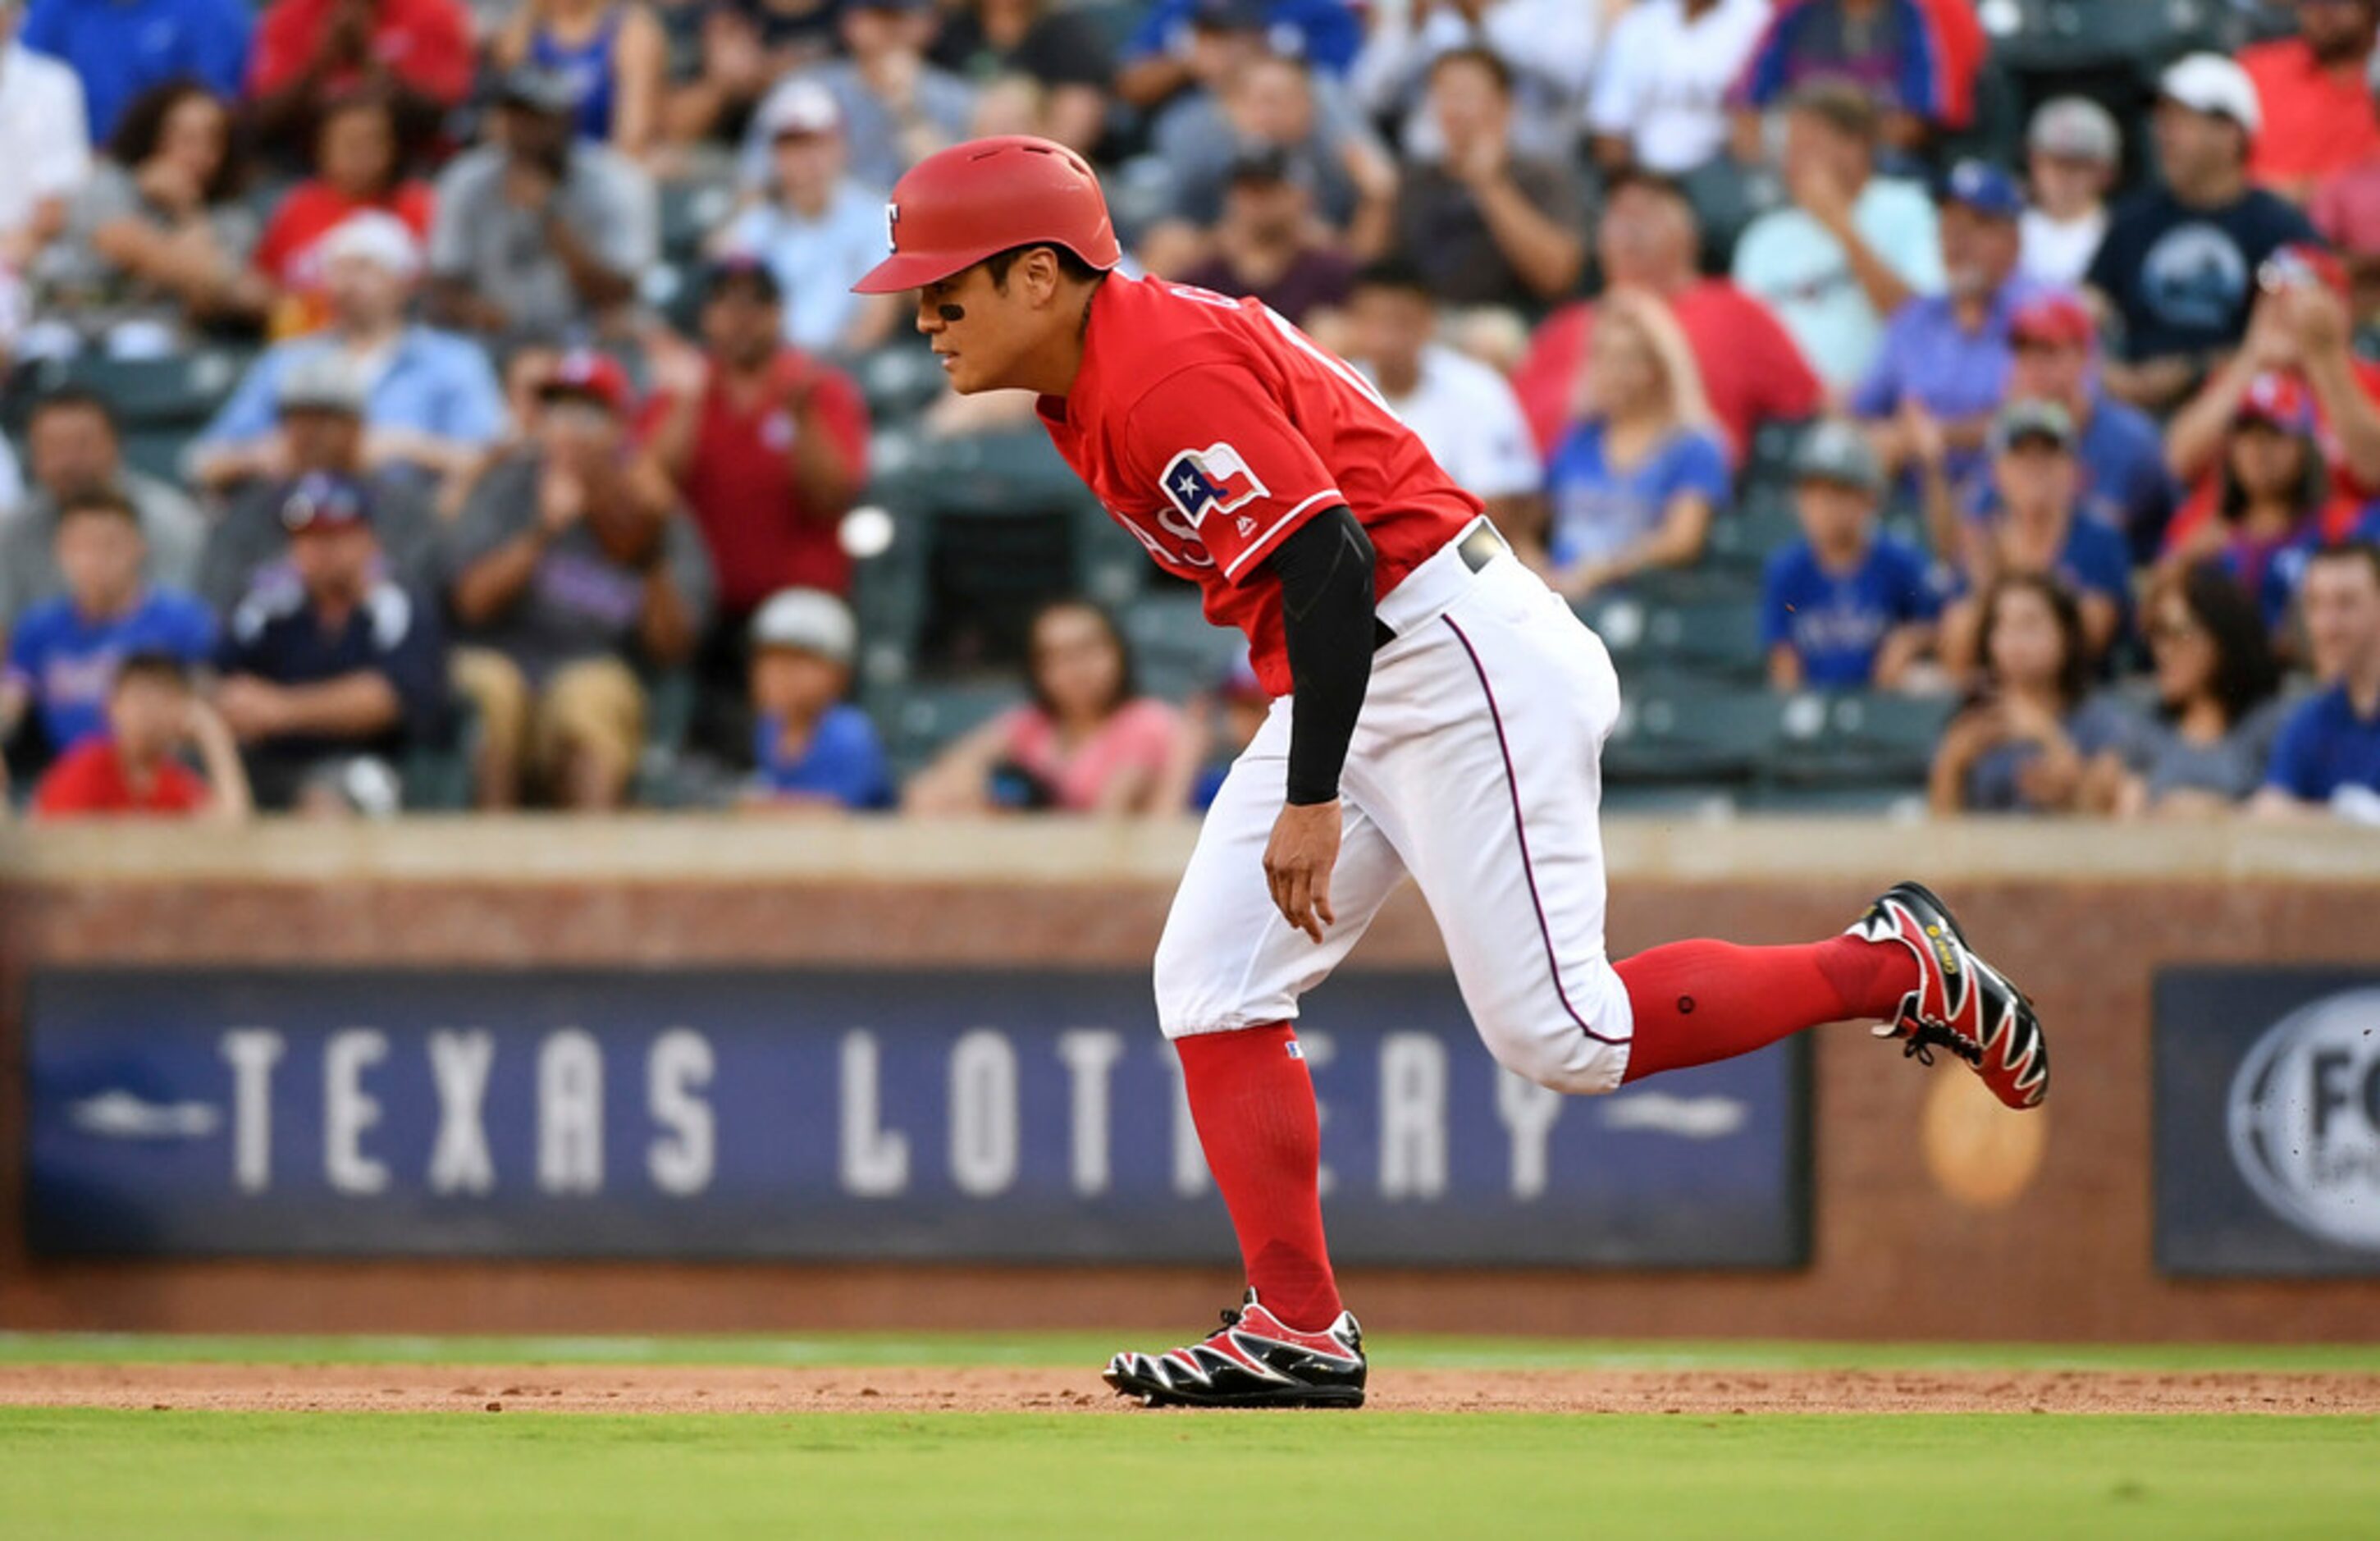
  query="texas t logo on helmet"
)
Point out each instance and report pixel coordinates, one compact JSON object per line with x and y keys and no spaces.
{"x":960,"y":205}
{"x":1212,"y":481}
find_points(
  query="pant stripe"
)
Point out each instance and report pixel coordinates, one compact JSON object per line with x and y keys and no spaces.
{"x":1521,"y":828}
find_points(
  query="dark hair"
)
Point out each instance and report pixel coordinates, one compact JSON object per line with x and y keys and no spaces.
{"x":1070,"y":264}
{"x":1127,"y":682}
{"x":143,"y":124}
{"x":150,"y":664}
{"x":1636,"y":176}
{"x":1393,"y":272}
{"x":98,"y":500}
{"x":1485,"y":58}
{"x":2245,"y":672}
{"x":2361,"y":551}
{"x":74,"y":399}
{"x":2313,"y":479}
{"x":2074,"y":663}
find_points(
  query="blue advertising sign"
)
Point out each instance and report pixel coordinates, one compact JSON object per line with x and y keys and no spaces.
{"x":2268,"y":1121}
{"x":927,"y":1115}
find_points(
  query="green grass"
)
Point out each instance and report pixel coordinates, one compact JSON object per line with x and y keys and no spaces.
{"x":95,"y":1474}
{"x":1079,"y":1349}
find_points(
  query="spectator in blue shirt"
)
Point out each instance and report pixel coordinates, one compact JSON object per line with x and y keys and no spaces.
{"x":1634,"y":484}
{"x":2329,"y":749}
{"x":1949,"y":354}
{"x":1156,"y":62}
{"x":2126,"y":486}
{"x":64,"y":650}
{"x":819,"y":229}
{"x":432,"y":405}
{"x":122,"y":48}
{"x":327,"y":683}
{"x":1845,"y":606}
{"x":811,"y":749}
{"x":2034,"y":531}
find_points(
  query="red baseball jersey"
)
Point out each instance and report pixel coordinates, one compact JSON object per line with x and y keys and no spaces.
{"x":1211,"y":429}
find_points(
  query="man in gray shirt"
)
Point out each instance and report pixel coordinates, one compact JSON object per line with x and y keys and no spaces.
{"x":573,"y":577}
{"x":896,"y":108}
{"x":73,"y":448}
{"x":539,"y":230}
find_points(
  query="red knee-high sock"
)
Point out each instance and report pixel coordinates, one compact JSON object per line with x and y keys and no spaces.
{"x":1253,"y":1101}
{"x":1697,"y":1002}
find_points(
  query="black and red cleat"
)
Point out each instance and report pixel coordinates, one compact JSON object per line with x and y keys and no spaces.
{"x":1962,"y":1003}
{"x":1253,"y":1361}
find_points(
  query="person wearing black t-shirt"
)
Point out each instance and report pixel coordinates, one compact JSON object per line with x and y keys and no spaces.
{"x":2178,"y":266}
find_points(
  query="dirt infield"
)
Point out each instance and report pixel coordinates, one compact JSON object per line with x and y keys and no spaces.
{"x":572,"y":1388}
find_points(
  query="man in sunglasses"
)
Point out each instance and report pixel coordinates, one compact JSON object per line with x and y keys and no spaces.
{"x":328,"y":680}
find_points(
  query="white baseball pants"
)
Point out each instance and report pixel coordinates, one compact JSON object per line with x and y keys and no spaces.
{"x":1474,"y":769}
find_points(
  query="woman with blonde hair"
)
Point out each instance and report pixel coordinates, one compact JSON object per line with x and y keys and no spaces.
{"x":614,"y":52}
{"x":1634,"y":481}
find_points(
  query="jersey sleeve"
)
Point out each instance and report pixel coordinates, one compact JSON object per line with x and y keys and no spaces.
{"x":2292,"y":769}
{"x":1222,"y":459}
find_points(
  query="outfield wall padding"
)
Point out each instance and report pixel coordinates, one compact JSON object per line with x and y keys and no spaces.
{"x":1935,"y":1216}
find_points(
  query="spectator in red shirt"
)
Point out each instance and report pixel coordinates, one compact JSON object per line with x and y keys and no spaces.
{"x":310,"y":51}
{"x":766,"y":446}
{"x":2317,"y":98}
{"x":131,"y":768}
{"x":1752,"y":371}
{"x":2299,"y":329}
{"x":358,"y":165}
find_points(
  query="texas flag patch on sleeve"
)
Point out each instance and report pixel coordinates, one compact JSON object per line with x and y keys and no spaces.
{"x":1212,"y":481}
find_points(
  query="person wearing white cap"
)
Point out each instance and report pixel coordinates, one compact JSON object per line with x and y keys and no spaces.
{"x":2073,"y":152}
{"x":430,"y":402}
{"x":818,"y":228}
{"x":811,"y":749}
{"x":2178,"y":268}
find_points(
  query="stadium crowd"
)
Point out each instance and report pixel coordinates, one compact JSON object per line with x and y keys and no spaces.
{"x":421,"y":404}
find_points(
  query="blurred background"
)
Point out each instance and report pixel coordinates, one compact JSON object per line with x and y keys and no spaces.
{"x":655,"y":812}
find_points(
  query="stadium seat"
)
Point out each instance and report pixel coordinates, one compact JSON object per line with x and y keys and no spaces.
{"x":1688,"y":731}
{"x":1720,"y":638}
{"x":181,"y":389}
{"x":1858,"y":739}
{"x":1742,"y":540}
{"x":1770,"y":462}
{"x":899,"y":380}
{"x":690,"y":210}
{"x":916,"y":720}
{"x":1176,"y":651}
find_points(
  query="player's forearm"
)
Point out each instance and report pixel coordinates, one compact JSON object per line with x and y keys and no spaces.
{"x":1328,"y":622}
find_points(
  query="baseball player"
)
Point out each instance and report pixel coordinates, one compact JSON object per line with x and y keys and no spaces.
{"x":1439,"y":712}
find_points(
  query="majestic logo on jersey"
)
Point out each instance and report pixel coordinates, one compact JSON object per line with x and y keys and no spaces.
{"x":1211,"y":481}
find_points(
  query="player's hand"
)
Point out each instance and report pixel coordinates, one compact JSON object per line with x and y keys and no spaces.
{"x":1298,"y":859}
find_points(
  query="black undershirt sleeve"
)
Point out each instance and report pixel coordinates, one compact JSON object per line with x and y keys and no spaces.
{"x":1325,"y":568}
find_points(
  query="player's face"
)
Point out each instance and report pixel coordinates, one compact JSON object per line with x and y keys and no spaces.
{"x":2341,"y":600}
{"x":99,"y":555}
{"x":979,"y":330}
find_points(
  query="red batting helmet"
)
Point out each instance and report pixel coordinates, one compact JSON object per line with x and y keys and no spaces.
{"x":958,"y":206}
